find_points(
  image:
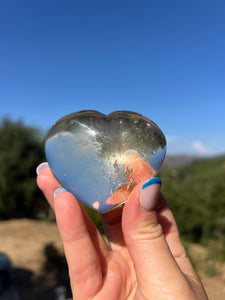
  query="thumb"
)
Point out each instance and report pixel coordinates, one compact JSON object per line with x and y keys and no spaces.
{"x":144,"y":237}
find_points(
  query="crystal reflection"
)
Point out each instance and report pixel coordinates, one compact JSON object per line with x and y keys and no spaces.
{"x":94,"y":156}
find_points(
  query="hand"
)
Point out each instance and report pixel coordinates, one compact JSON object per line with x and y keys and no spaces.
{"x":143,"y":258}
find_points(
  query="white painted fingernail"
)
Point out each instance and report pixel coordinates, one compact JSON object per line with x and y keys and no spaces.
{"x":59,"y":190}
{"x":41,"y":167}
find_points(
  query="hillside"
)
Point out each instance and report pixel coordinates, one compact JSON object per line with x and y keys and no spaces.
{"x":182,"y":160}
{"x":178,"y":161}
{"x":196,"y":194}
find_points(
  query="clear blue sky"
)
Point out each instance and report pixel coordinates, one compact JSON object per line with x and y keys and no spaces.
{"x":164,"y":59}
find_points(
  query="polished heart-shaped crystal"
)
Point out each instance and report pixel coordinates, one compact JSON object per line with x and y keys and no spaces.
{"x":100,"y":158}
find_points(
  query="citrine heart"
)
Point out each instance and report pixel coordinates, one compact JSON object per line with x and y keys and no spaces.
{"x":94,"y":155}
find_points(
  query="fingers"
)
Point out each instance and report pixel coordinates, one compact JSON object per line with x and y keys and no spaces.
{"x":112,"y":226}
{"x":143,"y":235}
{"x":84,"y":247}
{"x":111,"y":220}
{"x":83,"y":260}
{"x":47,"y":182}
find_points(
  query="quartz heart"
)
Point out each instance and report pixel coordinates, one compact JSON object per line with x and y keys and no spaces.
{"x":94,"y":155}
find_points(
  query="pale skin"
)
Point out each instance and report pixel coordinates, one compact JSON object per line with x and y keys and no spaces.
{"x":143,"y":258}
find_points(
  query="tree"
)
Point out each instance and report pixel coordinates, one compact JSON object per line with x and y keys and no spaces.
{"x":21,"y":150}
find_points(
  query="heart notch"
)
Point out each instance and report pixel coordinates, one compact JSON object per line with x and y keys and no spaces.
{"x":100,"y":158}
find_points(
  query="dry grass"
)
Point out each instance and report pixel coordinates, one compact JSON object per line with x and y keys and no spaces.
{"x":24,"y":240}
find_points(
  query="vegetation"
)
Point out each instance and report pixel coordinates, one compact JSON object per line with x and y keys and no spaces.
{"x":195,"y":193}
{"x":21,"y":150}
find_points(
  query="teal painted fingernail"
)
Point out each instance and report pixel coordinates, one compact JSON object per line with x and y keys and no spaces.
{"x":151,"y":181}
{"x":149,"y":194}
{"x":59,"y":190}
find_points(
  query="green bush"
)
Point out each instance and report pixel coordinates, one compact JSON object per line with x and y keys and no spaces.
{"x":53,"y":259}
{"x":196,"y":195}
{"x":21,"y":150}
{"x":55,"y":263}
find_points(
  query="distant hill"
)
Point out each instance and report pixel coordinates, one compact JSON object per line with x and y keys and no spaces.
{"x":182,"y":160}
{"x":177,"y":161}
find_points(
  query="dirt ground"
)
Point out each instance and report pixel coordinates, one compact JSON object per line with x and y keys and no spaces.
{"x":24,"y":240}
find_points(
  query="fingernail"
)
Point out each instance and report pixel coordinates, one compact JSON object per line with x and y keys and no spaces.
{"x":59,"y":190}
{"x":150,"y":193}
{"x":41,"y":167}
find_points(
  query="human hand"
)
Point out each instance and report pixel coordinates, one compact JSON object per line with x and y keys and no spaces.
{"x":144,"y":258}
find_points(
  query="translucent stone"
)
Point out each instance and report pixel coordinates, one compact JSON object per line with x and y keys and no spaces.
{"x":100,"y":158}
